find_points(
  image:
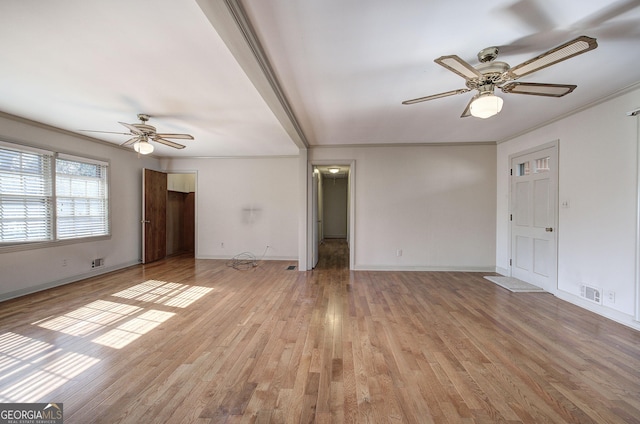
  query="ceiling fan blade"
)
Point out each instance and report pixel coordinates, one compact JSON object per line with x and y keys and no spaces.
{"x":538,"y":89}
{"x":133,"y":129}
{"x":607,"y":13}
{"x":179,"y":136}
{"x":168,"y":143}
{"x":531,"y":14}
{"x":436,"y":96}
{"x":457,"y":65}
{"x":467,"y":110}
{"x":105,"y":132}
{"x":565,"y":51}
{"x":130,"y":141}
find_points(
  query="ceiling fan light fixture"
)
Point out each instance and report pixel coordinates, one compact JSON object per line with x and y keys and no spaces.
{"x":486,"y":105}
{"x":143,"y":147}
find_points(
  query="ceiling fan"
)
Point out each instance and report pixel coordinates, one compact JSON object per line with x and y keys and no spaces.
{"x":490,"y":74}
{"x":143,"y":133}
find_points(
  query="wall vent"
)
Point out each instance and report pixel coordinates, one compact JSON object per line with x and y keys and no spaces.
{"x":97,"y":263}
{"x":591,"y":293}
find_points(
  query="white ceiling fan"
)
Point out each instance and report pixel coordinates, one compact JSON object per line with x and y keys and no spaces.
{"x":143,"y":133}
{"x":491,"y":74}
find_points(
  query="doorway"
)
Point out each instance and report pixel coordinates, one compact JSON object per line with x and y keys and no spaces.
{"x":168,"y":221}
{"x":533,"y":218}
{"x":181,"y":193}
{"x":331,"y":217}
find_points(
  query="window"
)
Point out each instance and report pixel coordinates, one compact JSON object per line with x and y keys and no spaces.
{"x":523,"y":169}
{"x":81,"y":198}
{"x":31,"y":210}
{"x":26,"y":196}
{"x":542,"y":165}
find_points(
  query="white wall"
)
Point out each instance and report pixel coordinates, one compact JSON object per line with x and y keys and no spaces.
{"x":435,"y":203}
{"x":27,"y":271}
{"x":334,"y":213}
{"x":245,"y":204}
{"x":598,"y":178}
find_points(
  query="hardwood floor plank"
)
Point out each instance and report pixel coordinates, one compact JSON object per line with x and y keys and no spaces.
{"x":194,"y":341}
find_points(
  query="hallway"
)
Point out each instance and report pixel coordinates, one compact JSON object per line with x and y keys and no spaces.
{"x":333,"y":255}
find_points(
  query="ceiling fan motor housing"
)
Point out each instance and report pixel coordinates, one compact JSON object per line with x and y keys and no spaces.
{"x":145,"y":128}
{"x":492,"y":74}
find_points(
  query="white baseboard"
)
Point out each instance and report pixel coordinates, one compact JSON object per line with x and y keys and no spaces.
{"x":266,"y":258}
{"x":502,"y":271}
{"x":64,"y":281}
{"x":603,"y":311}
{"x":361,"y":267}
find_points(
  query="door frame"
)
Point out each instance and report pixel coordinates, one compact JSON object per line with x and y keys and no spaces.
{"x":195,"y":205}
{"x":351,"y":205}
{"x":556,"y":228}
{"x":144,"y":218}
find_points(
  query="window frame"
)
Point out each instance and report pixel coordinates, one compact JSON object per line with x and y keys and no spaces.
{"x":54,"y":241}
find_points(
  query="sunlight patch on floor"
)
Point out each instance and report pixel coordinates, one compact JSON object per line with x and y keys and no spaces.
{"x":130,"y":330}
{"x":164,"y":293}
{"x":31,"y":369}
{"x":41,"y":366}
{"x":90,"y":318}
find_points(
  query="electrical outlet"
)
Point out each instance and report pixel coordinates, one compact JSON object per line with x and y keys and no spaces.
{"x":64,"y":262}
{"x":399,"y":252}
{"x":611,"y":296}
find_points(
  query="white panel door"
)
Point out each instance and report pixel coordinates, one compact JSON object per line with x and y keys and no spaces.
{"x":534,"y":183}
{"x":315,"y":219}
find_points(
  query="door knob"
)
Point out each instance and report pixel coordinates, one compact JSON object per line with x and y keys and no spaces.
{"x":548,"y":229}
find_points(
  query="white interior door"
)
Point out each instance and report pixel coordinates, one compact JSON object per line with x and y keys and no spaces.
{"x":534,"y":187}
{"x":315,"y":218}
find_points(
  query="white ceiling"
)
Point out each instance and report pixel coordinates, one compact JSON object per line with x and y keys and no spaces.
{"x":263,"y":77}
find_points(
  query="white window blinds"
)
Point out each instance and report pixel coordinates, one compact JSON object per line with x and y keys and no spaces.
{"x":81,"y":198}
{"x":47,"y":196}
{"x":25,"y":195}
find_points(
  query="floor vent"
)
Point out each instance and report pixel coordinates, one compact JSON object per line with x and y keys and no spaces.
{"x":591,"y":293}
{"x":291,"y":267}
{"x":97,"y":263}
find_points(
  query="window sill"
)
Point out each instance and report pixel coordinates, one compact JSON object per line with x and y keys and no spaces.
{"x":19,"y":247}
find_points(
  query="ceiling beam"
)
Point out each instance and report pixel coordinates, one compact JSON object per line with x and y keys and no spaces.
{"x":232,"y":24}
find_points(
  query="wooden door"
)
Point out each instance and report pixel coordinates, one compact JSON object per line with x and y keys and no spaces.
{"x":534,"y":184}
{"x":154,"y":219}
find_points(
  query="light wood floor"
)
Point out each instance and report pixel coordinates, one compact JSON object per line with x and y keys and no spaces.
{"x":195,"y":341}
